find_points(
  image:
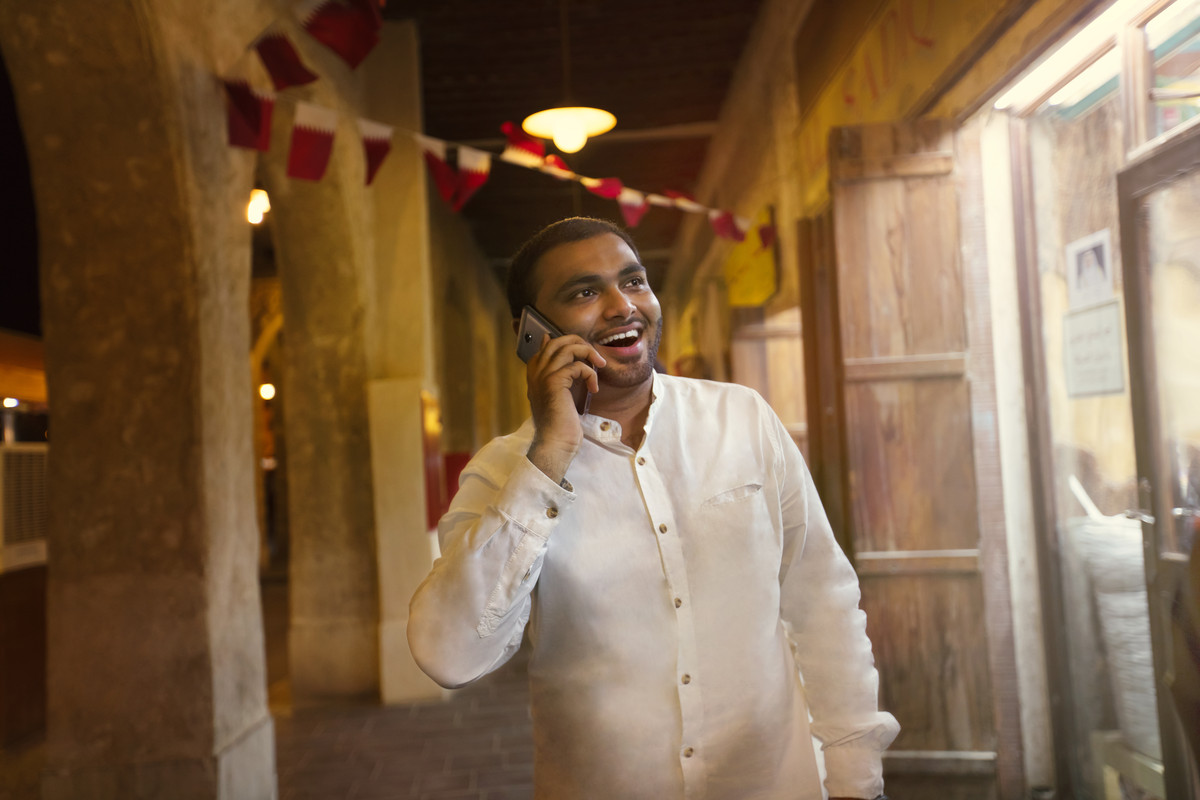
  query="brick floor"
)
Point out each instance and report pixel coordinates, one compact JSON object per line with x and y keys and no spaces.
{"x":475,"y":746}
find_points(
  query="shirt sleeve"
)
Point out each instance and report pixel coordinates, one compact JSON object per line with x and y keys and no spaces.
{"x":467,"y":616}
{"x":819,"y":598}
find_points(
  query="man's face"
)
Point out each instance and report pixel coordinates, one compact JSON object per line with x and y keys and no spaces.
{"x":597,"y":289}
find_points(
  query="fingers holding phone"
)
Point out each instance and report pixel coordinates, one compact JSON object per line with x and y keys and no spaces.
{"x":561,"y":376}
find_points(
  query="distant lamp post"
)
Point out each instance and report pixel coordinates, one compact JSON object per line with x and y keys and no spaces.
{"x":259,"y":205}
{"x":11,"y":402}
{"x":266,"y":391}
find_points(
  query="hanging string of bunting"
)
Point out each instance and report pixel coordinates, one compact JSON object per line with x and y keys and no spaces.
{"x":350,"y":28}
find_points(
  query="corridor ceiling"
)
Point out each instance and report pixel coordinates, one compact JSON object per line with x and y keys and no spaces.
{"x":663,"y":67}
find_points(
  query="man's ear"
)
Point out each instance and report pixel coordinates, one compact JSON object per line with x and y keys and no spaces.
{"x":516,"y":325}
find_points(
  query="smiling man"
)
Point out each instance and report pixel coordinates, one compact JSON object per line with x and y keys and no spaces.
{"x":666,"y":554}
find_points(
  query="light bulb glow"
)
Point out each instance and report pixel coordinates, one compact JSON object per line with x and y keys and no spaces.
{"x":259,"y":205}
{"x":266,"y":391}
{"x":1060,"y":62}
{"x":11,"y":402}
{"x":569,"y":127}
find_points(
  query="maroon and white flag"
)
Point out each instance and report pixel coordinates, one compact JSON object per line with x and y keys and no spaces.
{"x":312,"y":141}
{"x":249,"y":113}
{"x":282,"y":61}
{"x":609,"y":188}
{"x":633,"y":206}
{"x":377,"y":143}
{"x":660,"y":200}
{"x":473,"y":169}
{"x":444,"y":176}
{"x":727,"y":226}
{"x":351,"y":31}
{"x":522,"y":149}
{"x":684,"y":201}
{"x":554,"y":165}
{"x":766,"y":235}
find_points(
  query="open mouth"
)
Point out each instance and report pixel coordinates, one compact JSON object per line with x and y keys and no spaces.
{"x":623,"y":341}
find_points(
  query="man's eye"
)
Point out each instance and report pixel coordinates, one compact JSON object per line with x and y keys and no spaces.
{"x":637,"y":282}
{"x":585,"y":293}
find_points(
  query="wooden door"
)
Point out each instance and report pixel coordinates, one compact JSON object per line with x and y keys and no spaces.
{"x":925,"y":517}
{"x":1160,"y":254}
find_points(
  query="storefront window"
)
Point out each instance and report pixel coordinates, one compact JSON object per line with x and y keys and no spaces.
{"x":1173,"y":37}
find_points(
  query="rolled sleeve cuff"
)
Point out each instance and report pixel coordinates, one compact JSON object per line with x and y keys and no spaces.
{"x":533,"y":501}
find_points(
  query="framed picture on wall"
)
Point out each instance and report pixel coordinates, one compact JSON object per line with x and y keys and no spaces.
{"x":1090,"y":270}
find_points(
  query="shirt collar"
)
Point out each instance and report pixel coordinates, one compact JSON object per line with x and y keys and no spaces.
{"x":605,"y":431}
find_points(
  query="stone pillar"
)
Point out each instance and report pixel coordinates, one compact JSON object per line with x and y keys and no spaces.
{"x":322,"y":249}
{"x":401,"y":332}
{"x":156,"y":684}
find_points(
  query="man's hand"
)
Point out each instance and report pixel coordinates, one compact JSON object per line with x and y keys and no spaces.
{"x":550,"y":375}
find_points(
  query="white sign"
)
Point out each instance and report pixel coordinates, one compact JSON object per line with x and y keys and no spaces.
{"x":1089,"y":270}
{"x":1092,"y":351}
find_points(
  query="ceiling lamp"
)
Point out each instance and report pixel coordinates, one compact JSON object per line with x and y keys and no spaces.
{"x":568,"y":126}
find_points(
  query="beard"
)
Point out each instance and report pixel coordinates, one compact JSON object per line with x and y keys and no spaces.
{"x":625,"y":376}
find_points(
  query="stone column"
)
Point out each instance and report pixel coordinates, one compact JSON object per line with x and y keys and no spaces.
{"x":401,"y":329}
{"x":156,"y":671}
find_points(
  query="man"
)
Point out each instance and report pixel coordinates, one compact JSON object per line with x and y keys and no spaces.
{"x":668,"y":557}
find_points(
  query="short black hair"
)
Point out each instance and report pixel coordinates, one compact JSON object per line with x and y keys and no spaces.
{"x":521,"y":292}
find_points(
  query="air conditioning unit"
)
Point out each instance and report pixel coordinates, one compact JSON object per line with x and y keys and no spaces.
{"x":23,"y":505}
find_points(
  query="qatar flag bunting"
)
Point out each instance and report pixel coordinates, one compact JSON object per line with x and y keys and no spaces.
{"x":281,"y":60}
{"x":660,"y":200}
{"x":249,"y":114}
{"x":444,"y":177}
{"x":766,"y":235}
{"x":377,"y":143}
{"x":609,"y":188}
{"x":633,"y":206}
{"x":725,"y":225}
{"x":522,"y":148}
{"x":312,"y":141}
{"x":350,"y":31}
{"x":684,"y":201}
{"x":473,"y":168}
{"x":554,"y":165}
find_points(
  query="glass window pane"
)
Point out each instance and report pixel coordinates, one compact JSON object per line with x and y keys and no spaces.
{"x":1174,"y":39}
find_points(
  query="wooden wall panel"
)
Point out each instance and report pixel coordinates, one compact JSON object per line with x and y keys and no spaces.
{"x":912,"y":476}
{"x":932,"y":654}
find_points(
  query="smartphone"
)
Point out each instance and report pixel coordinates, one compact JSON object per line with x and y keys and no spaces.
{"x":530,"y":332}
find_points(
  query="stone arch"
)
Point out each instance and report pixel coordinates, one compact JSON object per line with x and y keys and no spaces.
{"x":144,"y":257}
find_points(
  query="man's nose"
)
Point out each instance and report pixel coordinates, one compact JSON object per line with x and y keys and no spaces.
{"x":617,"y":304}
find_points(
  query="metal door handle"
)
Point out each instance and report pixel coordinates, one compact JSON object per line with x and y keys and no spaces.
{"x":1139,"y":514}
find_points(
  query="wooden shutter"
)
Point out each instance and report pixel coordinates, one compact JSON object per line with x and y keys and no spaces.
{"x":925,"y":520}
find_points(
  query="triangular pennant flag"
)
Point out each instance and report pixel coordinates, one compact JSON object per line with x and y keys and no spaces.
{"x":766,"y":235}
{"x":554,"y":165}
{"x":725,"y":225}
{"x":633,"y":206}
{"x":349,"y":31}
{"x":249,"y":112}
{"x":444,"y":177}
{"x":684,"y":201}
{"x":281,"y":59}
{"x":660,"y":200}
{"x":522,"y":148}
{"x":369,"y":9}
{"x":605,"y":187}
{"x":312,"y":141}
{"x":473,"y":168}
{"x":377,"y":143}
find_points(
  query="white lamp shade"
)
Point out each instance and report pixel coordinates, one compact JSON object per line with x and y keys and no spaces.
{"x":569,"y":127}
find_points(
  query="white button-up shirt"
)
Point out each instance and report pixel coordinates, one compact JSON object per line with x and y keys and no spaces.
{"x":673,"y":597}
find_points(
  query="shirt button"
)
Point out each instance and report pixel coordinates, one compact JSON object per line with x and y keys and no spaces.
{"x":688,"y":752}
{"x":678,"y":602}
{"x":686,"y":679}
{"x":641,"y":460}
{"x":662,"y":528}
{"x":551,"y":512}
{"x":605,"y":426}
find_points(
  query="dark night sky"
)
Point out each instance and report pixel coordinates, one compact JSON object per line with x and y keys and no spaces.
{"x":19,"y":309}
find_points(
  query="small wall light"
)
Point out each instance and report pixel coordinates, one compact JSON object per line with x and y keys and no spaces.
{"x":266,"y":391}
{"x":259,"y":205}
{"x":11,"y":402}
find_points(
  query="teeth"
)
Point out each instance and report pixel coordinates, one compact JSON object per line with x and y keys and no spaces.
{"x":620,"y":339}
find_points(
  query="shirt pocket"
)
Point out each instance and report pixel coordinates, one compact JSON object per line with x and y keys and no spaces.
{"x":734,"y":495}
